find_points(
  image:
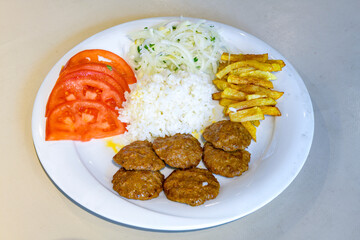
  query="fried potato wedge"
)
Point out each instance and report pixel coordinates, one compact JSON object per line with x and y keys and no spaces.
{"x":216,"y":96}
{"x":221,"y":84}
{"x":249,"y":114}
{"x":241,"y":70}
{"x":250,"y":80}
{"x":271,"y":67}
{"x":250,"y":128}
{"x":225,"y":110}
{"x":253,"y":89}
{"x":222,"y":65}
{"x":251,"y":103}
{"x":256,"y":123}
{"x":255,"y":96}
{"x":270,"y":110}
{"x":256,"y":74}
{"x":226,"y":102}
{"x":230,"y":93}
{"x":242,"y":57}
{"x":280,"y":62}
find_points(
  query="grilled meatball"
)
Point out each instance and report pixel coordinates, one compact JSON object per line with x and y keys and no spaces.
{"x":179,"y":151}
{"x":192,"y":186}
{"x":138,"y":184}
{"x":227,"y":135}
{"x":139,"y":155}
{"x":227,"y":164}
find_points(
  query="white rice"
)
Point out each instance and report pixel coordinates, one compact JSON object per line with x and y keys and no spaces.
{"x":168,"y":103}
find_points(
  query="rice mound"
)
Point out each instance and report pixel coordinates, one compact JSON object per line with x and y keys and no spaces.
{"x":168,"y":103}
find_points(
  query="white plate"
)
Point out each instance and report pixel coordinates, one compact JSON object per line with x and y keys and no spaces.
{"x":83,"y":171}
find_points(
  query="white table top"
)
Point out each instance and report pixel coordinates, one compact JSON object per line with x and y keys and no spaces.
{"x":320,"y":38}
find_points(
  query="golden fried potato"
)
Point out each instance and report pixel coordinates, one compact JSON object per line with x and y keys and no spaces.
{"x":252,"y":103}
{"x":253,"y":89}
{"x":245,"y":115}
{"x":251,"y":129}
{"x":226,"y":102}
{"x":256,"y":123}
{"x":255,"y":73}
{"x":255,"y":96}
{"x":250,"y":80}
{"x":233,"y":94}
{"x":269,"y":110}
{"x":242,"y":57}
{"x":216,"y":96}
{"x":271,"y":67}
{"x":222,"y":65}
{"x":241,"y":70}
{"x":221,"y":84}
{"x":280,"y":62}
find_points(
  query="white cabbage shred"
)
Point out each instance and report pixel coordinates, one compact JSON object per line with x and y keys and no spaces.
{"x":177,"y":45}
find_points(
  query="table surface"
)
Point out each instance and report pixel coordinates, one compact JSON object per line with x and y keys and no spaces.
{"x":320,"y":38}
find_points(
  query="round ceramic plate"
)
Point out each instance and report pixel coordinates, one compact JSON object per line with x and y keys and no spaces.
{"x":83,"y":171}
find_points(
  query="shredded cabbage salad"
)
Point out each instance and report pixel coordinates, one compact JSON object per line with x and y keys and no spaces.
{"x":176,"y":45}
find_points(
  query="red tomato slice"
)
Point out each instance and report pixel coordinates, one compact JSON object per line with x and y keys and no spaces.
{"x":105,"y":57}
{"x":95,"y":75}
{"x":98,"y":67}
{"x":83,"y":88}
{"x":82,"y":120}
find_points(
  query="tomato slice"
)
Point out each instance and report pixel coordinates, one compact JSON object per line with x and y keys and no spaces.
{"x":105,"y":57}
{"x":84,"y":88}
{"x":82,"y":120}
{"x":98,"y":67}
{"x":92,"y":75}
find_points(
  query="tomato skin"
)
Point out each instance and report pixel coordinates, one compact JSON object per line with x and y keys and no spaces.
{"x":82,"y":121}
{"x":98,"y":67}
{"x":99,"y":56}
{"x":83,"y":88}
{"x":80,"y":74}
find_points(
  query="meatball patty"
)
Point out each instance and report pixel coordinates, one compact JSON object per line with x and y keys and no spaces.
{"x":179,"y":151}
{"x":227,"y":135}
{"x":227,"y":164}
{"x":192,"y":186}
{"x":138,"y":184}
{"x":139,"y":155}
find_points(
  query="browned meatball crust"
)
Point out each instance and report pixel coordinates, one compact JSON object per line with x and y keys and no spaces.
{"x":192,"y":186}
{"x":179,"y":151}
{"x":227,"y":164}
{"x":139,"y":155}
{"x":227,"y":135}
{"x":138,"y":184}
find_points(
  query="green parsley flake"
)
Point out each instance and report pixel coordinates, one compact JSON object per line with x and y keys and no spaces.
{"x":109,"y":67}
